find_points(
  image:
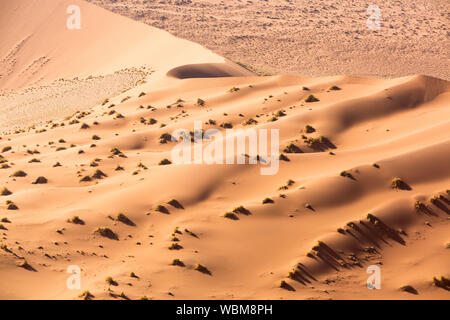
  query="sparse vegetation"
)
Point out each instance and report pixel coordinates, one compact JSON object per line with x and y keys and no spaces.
{"x":283,"y":157}
{"x":200,"y":102}
{"x":5,"y":192}
{"x":226,"y":125}
{"x":162,"y":209}
{"x":177,"y":262}
{"x":398,"y":183}
{"x":40,"y":180}
{"x":75,"y":220}
{"x":443,"y":282}
{"x":292,"y":148}
{"x":231,"y":216}
{"x":175,"y":246}
{"x":201,"y":268}
{"x":11,"y":205}
{"x":107,"y":233}
{"x":267,"y":200}
{"x":309,"y":129}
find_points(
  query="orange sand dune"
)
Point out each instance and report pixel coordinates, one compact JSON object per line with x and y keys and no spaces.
{"x":364,"y":181}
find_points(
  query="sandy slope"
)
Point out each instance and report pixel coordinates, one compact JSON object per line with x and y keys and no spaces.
{"x":376,"y":130}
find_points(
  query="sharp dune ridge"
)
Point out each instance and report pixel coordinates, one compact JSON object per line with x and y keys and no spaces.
{"x":365,"y":178}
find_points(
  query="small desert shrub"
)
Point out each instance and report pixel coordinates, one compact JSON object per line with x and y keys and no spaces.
{"x":242,"y":210}
{"x":340,"y":230}
{"x":409,"y":289}
{"x":86,"y":179}
{"x":11,"y":206}
{"x":165,"y":137}
{"x":200,"y":102}
{"x":162,"y":209}
{"x":226,"y":125}
{"x":433,"y":199}
{"x":308,"y":206}
{"x":174,"y":203}
{"x":267,"y":200}
{"x":177,"y":262}
{"x":283,"y":157}
{"x":201,"y":268}
{"x":375,"y":165}
{"x":420,"y":206}
{"x":335,"y":88}
{"x":24,"y":264}
{"x":84,"y":126}
{"x":165,"y":162}
{"x":117,"y":152}
{"x":95,"y":137}
{"x":175,"y":246}
{"x":124,"y":219}
{"x":292,"y":148}
{"x":398,"y":183}
{"x":6,"y":149}
{"x":98,"y":174}
{"x":250,"y":122}
{"x":109,"y":280}
{"x":75,"y":220}
{"x":371,"y":218}
{"x":19,"y":173}
{"x":233,"y":89}
{"x":345,"y":174}
{"x":443,"y":282}
{"x":5,"y":192}
{"x":230,"y":215}
{"x":311,"y":98}
{"x":106,"y":232}
{"x":41,"y":180}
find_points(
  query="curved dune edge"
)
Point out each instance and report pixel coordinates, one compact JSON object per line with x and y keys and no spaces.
{"x":398,"y":124}
{"x":208,"y":70}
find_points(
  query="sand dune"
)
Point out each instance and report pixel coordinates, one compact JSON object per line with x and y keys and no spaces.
{"x":309,"y":37}
{"x":366,"y":183}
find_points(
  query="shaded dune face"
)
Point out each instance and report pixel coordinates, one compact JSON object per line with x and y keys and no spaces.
{"x":364,"y":179}
{"x":208,"y":70}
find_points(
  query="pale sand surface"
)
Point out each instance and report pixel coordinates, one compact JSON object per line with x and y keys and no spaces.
{"x":401,"y":125}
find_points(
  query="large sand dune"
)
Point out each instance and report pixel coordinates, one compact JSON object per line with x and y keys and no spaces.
{"x":367,"y":183}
